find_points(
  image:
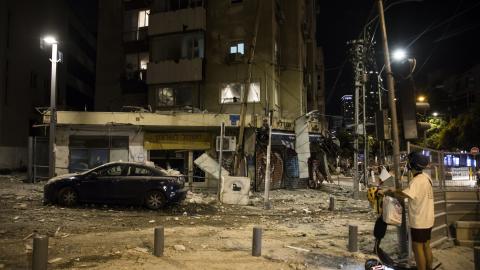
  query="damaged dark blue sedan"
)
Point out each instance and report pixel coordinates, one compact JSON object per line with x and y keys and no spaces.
{"x":117,"y":182}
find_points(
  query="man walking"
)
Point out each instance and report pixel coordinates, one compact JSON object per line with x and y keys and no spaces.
{"x":420,"y":209}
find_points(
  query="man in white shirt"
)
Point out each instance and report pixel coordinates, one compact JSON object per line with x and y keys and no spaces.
{"x":420,"y":209}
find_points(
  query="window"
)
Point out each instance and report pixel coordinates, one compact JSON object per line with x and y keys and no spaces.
{"x":115,"y":170}
{"x":88,"y":152}
{"x":165,"y":97}
{"x":233,"y":93}
{"x":176,"y":95}
{"x":135,"y":66}
{"x":172,"y":5}
{"x":143,"y":18}
{"x":139,"y":171}
{"x":238,"y":47}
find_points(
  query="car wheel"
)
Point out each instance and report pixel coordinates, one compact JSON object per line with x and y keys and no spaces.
{"x":154,"y":200}
{"x":67,"y":196}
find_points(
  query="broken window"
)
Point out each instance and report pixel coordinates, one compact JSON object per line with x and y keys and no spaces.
{"x":237,"y":47}
{"x":177,"y":46}
{"x":165,"y":97}
{"x":233,"y":93}
{"x":175,"y":96}
{"x":136,"y":66}
{"x":88,"y":152}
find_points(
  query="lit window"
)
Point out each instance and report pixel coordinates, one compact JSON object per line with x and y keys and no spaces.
{"x":165,"y":97}
{"x":143,"y":18}
{"x":254,"y":93}
{"x":233,"y":92}
{"x":237,"y":48}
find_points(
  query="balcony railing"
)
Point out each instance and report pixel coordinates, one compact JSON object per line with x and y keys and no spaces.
{"x":184,"y":70}
{"x":135,"y":35}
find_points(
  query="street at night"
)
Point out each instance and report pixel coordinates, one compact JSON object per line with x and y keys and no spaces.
{"x":239,"y":134}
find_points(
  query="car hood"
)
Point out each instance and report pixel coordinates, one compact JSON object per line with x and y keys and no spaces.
{"x":62,"y":177}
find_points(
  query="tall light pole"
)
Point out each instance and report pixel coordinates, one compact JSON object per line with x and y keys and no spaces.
{"x":53,"y":101}
{"x":402,"y":235}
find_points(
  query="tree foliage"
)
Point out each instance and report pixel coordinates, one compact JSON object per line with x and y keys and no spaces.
{"x":460,"y":133}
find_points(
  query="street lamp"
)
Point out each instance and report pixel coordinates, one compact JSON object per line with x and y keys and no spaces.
{"x":421,"y":98}
{"x":53,"y":110}
{"x":435,"y":114}
{"x":399,"y":55}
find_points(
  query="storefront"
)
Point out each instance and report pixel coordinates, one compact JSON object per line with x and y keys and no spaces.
{"x":178,"y":150}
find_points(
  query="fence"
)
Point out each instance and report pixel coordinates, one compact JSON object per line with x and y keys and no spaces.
{"x":37,"y":158}
{"x":456,"y":197}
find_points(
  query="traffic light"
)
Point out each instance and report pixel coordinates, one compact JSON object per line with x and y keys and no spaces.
{"x":411,"y":105}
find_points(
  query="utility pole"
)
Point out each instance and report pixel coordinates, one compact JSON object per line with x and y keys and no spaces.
{"x":220,"y":159}
{"x":266,"y":199}
{"x":357,"y":54}
{"x":243,"y":110}
{"x":402,"y":236}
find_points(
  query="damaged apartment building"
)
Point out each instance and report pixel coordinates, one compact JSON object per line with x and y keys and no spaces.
{"x":169,"y":72}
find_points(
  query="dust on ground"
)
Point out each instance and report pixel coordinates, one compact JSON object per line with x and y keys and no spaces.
{"x":298,"y":233}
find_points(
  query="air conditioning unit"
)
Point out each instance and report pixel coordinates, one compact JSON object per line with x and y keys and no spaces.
{"x":229,"y":143}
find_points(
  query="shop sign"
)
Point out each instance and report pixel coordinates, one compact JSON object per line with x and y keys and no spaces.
{"x":177,"y":141}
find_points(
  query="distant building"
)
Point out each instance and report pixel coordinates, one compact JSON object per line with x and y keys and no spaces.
{"x":348,"y":110}
{"x":25,"y":70}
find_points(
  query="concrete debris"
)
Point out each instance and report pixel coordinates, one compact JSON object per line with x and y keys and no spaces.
{"x":56,"y":234}
{"x":151,"y":221}
{"x":28,"y":247}
{"x":176,"y":218}
{"x":28,"y":236}
{"x":140,"y":249}
{"x":55,"y":260}
{"x":179,"y":247}
{"x":306,"y":211}
{"x":204,"y":246}
{"x":16,"y":217}
{"x":298,"y":248}
{"x":21,"y":206}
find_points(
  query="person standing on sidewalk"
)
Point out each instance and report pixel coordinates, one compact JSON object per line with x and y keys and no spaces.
{"x":420,"y":209}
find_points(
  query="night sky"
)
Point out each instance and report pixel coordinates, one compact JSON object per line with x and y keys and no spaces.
{"x":448,"y":45}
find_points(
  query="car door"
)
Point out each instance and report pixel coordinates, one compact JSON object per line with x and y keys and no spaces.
{"x":132,"y":186}
{"x":99,"y":184}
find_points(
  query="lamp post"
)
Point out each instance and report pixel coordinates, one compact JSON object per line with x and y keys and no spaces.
{"x":53,"y":110}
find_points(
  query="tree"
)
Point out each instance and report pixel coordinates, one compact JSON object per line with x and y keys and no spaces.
{"x":461,"y":132}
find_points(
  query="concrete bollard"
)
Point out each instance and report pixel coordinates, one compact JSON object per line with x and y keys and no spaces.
{"x":40,"y":253}
{"x":257,"y":242}
{"x":331,"y":207}
{"x":352,"y":238}
{"x":476,"y":257}
{"x":159,"y":241}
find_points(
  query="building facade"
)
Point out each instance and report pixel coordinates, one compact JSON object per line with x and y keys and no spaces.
{"x":25,"y":70}
{"x":183,"y":68}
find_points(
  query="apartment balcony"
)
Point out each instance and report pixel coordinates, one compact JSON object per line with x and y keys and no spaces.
{"x":177,"y":21}
{"x":184,"y":70}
